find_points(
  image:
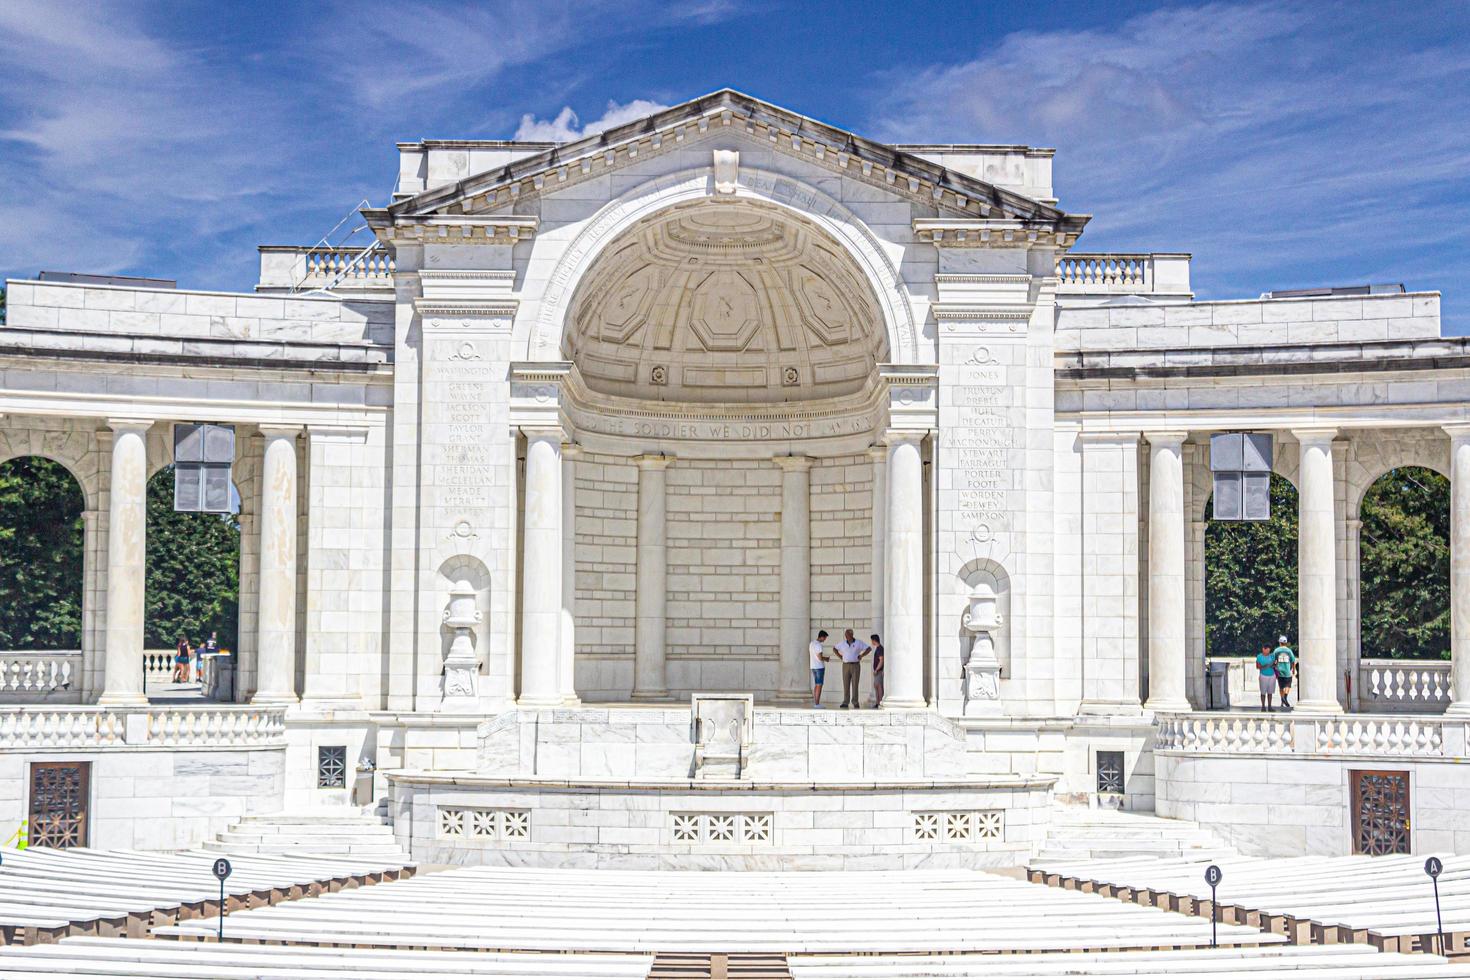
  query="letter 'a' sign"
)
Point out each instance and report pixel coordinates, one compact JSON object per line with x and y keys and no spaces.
{"x":203,"y":454}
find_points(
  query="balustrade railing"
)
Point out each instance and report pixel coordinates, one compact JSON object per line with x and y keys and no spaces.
{"x":1107,"y":273}
{"x":38,"y":675}
{"x":93,"y":727}
{"x":295,"y":269}
{"x":1330,"y":735}
{"x":158,"y":665}
{"x":1404,"y":685}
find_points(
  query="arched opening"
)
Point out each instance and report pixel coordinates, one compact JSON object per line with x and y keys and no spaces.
{"x":41,"y":548}
{"x":1404,"y":566}
{"x":193,"y":577}
{"x":1251,"y":577}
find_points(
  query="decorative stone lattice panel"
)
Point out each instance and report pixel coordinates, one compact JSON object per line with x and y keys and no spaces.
{"x":722,"y":828}
{"x":958,"y":826}
{"x":484,"y":824}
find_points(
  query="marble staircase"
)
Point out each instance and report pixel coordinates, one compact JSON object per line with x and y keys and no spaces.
{"x":345,"y":832}
{"x":1080,"y":833}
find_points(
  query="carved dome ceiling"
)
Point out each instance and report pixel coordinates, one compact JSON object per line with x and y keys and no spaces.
{"x":725,"y":302}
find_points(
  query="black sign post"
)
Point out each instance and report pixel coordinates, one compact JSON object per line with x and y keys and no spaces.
{"x":1432,"y":868}
{"x":222,"y":871}
{"x":1213,"y":874}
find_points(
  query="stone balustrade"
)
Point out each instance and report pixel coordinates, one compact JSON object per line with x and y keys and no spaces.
{"x":1404,"y":685}
{"x":40,"y":675}
{"x":158,"y":666}
{"x":326,"y":267}
{"x":94,"y":727}
{"x":1310,"y":735}
{"x":1115,"y":273}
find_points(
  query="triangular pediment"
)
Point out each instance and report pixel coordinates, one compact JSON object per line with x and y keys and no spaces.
{"x":952,"y":194}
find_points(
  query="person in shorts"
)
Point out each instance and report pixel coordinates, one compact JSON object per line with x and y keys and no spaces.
{"x":1266,"y":668}
{"x":1285,"y":659}
{"x":877,"y":645}
{"x":819,"y":667}
{"x":182,"y":653}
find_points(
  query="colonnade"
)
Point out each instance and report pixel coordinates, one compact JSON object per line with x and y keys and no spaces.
{"x":127,"y":529}
{"x":1316,"y":571}
{"x":548,"y":571}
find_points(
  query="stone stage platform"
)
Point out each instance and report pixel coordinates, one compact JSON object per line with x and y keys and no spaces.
{"x":722,"y":786}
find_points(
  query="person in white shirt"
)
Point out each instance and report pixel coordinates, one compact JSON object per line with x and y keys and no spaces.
{"x":819,"y":667}
{"x":853,"y":651}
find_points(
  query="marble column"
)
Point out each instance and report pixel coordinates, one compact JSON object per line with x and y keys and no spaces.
{"x":796,"y":576}
{"x":879,"y":457}
{"x":127,"y":529}
{"x":649,"y":680}
{"x":541,"y":571}
{"x":904,"y":618}
{"x":1317,"y":572}
{"x":275,"y":652}
{"x":1459,"y":570}
{"x":567,"y":671}
{"x":1166,"y":642}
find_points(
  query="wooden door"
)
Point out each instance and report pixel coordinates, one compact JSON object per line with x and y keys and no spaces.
{"x":58,"y":807}
{"x":1380,"y":812}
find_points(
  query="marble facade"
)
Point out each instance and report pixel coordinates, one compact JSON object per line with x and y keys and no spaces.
{"x":628,"y":419}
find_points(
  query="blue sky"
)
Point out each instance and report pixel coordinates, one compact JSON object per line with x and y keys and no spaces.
{"x":1284,"y":144}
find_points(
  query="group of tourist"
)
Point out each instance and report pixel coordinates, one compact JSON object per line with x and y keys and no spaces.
{"x":1277,"y":668}
{"x":186,"y":658}
{"x":852,"y":652}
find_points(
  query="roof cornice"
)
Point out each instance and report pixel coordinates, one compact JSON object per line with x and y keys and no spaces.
{"x":906,"y":174}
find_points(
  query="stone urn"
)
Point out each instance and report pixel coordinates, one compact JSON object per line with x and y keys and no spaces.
{"x":981,"y":619}
{"x":461,"y":667}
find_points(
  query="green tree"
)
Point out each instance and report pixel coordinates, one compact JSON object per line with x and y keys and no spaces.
{"x":193,"y":577}
{"x":1404,"y":558}
{"x":40,"y":556}
{"x":1250,"y":577}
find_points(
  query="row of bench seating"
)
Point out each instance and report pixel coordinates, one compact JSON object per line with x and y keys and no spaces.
{"x":1387,"y":902}
{"x":48,"y":894}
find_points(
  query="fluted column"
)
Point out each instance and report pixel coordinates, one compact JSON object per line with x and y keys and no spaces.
{"x":567,"y":674}
{"x":1459,"y":570}
{"x":276,"y":620}
{"x":541,"y":575}
{"x":649,"y":681}
{"x":796,"y":574}
{"x":1317,"y":572}
{"x":878,"y":455}
{"x":1166,"y":646}
{"x":127,"y":529}
{"x":904,"y":618}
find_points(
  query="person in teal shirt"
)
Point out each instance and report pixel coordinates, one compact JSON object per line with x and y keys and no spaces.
{"x":1266,"y":667}
{"x":1284,"y":660}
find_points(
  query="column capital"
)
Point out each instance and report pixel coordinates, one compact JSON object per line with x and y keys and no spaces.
{"x":1114,"y":437}
{"x":878,"y":453}
{"x":1167,"y":437}
{"x":1315,"y":435}
{"x":125,"y":424}
{"x":1457,"y":430}
{"x":653,"y":461}
{"x":544,"y":432}
{"x":902,"y":437}
{"x":282,"y":431}
{"x":572,"y":451}
{"x":793,"y":464}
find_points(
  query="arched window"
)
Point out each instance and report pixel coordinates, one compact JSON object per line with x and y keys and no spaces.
{"x":1404,"y":565}
{"x":41,"y":533}
{"x":1251,"y":577}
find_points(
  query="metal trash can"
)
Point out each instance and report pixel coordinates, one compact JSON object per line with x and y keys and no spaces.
{"x":1217,"y":684}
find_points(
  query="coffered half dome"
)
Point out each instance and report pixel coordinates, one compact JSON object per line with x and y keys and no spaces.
{"x":725,"y":301}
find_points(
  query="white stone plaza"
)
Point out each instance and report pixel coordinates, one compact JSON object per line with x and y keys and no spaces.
{"x":545,"y":493}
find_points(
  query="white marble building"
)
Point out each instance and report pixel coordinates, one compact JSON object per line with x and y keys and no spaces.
{"x":601,"y":425}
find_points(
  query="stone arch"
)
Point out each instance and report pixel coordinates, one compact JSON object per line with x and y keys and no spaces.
{"x":72,"y":447}
{"x":781,"y":191}
{"x":1373,"y":455}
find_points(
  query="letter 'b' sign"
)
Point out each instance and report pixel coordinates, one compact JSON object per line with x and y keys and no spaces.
{"x":1213,"y":874}
{"x":222,"y":869}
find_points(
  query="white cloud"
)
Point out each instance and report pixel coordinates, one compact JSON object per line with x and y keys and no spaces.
{"x":1280,"y":142}
{"x":566,"y":126}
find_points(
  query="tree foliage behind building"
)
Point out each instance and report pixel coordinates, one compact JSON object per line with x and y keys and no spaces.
{"x":1404,"y":550}
{"x":1250,"y":577}
{"x":193,"y":571}
{"x":40,"y":556}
